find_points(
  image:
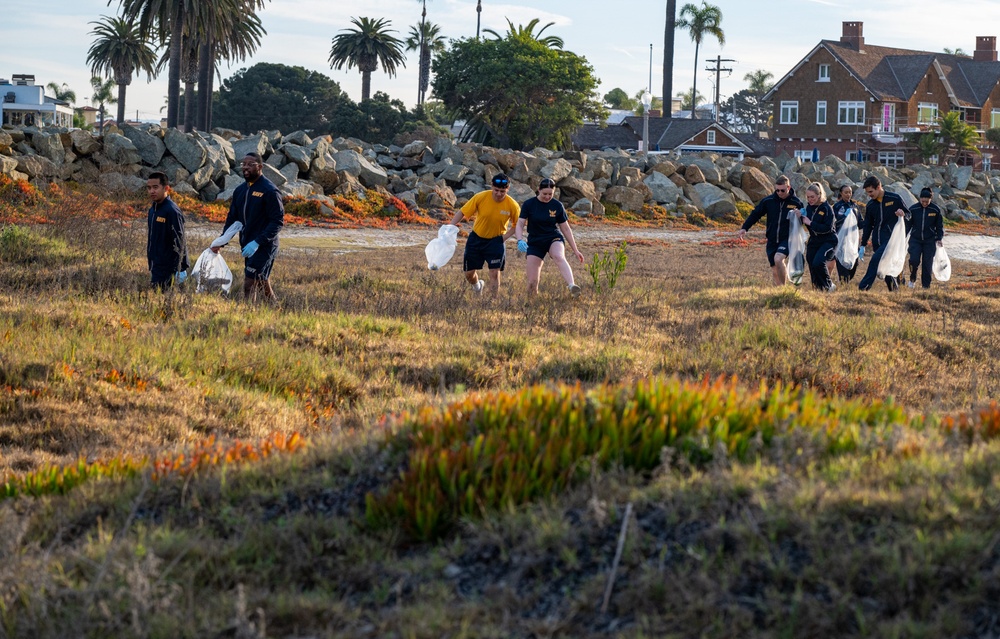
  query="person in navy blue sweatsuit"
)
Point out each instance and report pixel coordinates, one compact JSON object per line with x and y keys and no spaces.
{"x":844,"y":206}
{"x":822,"y":245}
{"x":880,"y":217}
{"x":776,"y":207}
{"x":166,"y":250}
{"x":257,"y":204}
{"x":926,"y":224}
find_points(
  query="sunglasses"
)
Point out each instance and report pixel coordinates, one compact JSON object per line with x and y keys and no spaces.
{"x":781,"y":190}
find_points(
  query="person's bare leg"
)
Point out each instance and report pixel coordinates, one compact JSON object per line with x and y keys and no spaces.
{"x":779,"y":272}
{"x":558,"y":253}
{"x":494,"y":280}
{"x":533,"y":271}
{"x":831,"y":268}
{"x":269,"y":292}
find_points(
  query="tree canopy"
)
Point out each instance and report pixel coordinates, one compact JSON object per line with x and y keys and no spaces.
{"x":517,"y":92}
{"x":277,"y":96}
{"x":616,"y":98}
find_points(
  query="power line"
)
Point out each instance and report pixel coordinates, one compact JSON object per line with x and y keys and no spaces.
{"x":717,"y":69}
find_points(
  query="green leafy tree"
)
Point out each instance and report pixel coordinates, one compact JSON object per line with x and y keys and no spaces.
{"x":365,"y":48}
{"x":163,"y":21}
{"x":377,"y":120}
{"x":528,"y":31}
{"x":425,"y":38}
{"x":62,"y":92}
{"x":957,"y":51}
{"x":686,"y":101}
{"x":993,"y":136}
{"x":104,"y":93}
{"x":227,"y":30}
{"x":120,"y":50}
{"x":957,"y":137}
{"x":276,"y":96}
{"x":700,"y":22}
{"x":617,"y":99}
{"x":746,"y":111}
{"x":669,"y":30}
{"x":517,"y":92}
{"x":927,"y":143}
{"x":655,"y":103}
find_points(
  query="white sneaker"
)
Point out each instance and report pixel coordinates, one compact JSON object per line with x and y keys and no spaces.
{"x":575,"y":290}
{"x":478,"y":286}
{"x":911,"y":284}
{"x":831,"y":287}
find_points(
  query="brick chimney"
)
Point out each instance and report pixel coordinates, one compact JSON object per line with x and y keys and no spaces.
{"x":853,"y":35}
{"x":986,"y":49}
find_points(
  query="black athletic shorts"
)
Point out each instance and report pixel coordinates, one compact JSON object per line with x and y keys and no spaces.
{"x":258,"y":266}
{"x":540,"y":248}
{"x":774,"y":248}
{"x":478,"y":251}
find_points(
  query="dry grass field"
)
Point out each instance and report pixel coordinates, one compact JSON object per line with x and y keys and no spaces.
{"x":895,"y":535}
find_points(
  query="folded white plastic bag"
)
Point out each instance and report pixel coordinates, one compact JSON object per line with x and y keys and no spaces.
{"x":847,"y":242}
{"x":894,"y":256}
{"x":211,"y":273}
{"x":942,"y":265}
{"x":440,"y":250}
{"x":796,"y":250}
{"x":230,"y":233}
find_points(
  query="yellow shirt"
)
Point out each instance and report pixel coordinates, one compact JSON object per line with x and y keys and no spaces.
{"x":492,"y":218}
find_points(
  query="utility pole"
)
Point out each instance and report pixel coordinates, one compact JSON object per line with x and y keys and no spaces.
{"x":479,"y":14}
{"x":717,"y":69}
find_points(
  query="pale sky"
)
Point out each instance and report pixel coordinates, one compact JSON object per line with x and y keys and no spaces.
{"x":51,"y":39}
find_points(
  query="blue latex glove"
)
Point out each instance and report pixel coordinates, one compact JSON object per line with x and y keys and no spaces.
{"x":250,"y":248}
{"x":522,"y":246}
{"x":861,"y":253}
{"x":181,"y":276}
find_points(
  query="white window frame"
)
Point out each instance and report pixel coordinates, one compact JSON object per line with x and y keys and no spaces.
{"x":824,"y":73}
{"x":851,"y":112}
{"x":893,"y":159}
{"x":930,"y":108}
{"x":710,"y":137}
{"x":821,"y":109}
{"x":789,"y":111}
{"x":994,"y":118}
{"x":851,"y":156}
{"x":806,"y":155}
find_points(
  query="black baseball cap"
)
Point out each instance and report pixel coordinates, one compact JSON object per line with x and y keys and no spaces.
{"x":926,"y":192}
{"x":547,"y":183}
{"x":501,"y":181}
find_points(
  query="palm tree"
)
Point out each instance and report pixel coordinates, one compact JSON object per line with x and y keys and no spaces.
{"x":528,"y":32}
{"x":120,"y":50}
{"x":957,"y":137}
{"x":700,"y":22}
{"x":668,"y":51}
{"x":104,"y":93}
{"x":957,"y":51}
{"x":686,"y":101}
{"x":365,"y":48}
{"x":759,"y":81}
{"x":62,"y":93}
{"x":231,"y":33}
{"x":163,"y":20}
{"x":425,"y":37}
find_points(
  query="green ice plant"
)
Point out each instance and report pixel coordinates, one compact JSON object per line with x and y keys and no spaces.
{"x":609,"y":265}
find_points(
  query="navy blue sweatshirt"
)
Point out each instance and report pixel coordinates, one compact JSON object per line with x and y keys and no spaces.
{"x":821,"y":229}
{"x":925,"y":224}
{"x":776,"y":211}
{"x":166,"y":250}
{"x":880,"y":218}
{"x":261,"y":210}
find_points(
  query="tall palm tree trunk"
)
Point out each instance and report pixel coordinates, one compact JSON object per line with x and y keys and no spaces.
{"x":189,"y":106}
{"x":668,"y":56}
{"x":174,"y":69}
{"x":209,"y":96}
{"x":366,"y":85}
{"x":204,"y":77}
{"x":122,"y":86}
{"x":694,"y":84}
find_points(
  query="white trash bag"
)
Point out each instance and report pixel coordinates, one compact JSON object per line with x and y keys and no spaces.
{"x":442,"y":248}
{"x":211,"y":273}
{"x":796,"y":249}
{"x":941,"y":267}
{"x":230,"y":233}
{"x":894,"y":256}
{"x":847,"y":241}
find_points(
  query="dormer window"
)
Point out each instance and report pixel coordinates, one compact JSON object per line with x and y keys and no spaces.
{"x":824,"y":73}
{"x":711,"y":137}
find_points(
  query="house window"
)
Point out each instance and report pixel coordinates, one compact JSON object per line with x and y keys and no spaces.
{"x":789,"y":112}
{"x":851,"y":156}
{"x":987,"y":162}
{"x":824,"y":73}
{"x":805,"y":156}
{"x":711,"y":137}
{"x":927,"y":113}
{"x":850,"y":112}
{"x":994,"y":118}
{"x":821,"y":112}
{"x":893,"y":159}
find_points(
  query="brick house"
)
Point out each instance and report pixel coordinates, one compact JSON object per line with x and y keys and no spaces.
{"x":858,"y":101}
{"x":665,"y":134}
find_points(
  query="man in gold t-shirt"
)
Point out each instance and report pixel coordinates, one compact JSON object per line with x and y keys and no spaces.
{"x":495,"y":215}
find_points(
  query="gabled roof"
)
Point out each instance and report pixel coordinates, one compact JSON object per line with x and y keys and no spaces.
{"x":591,"y":136}
{"x":667,"y":134}
{"x":891,"y":75}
